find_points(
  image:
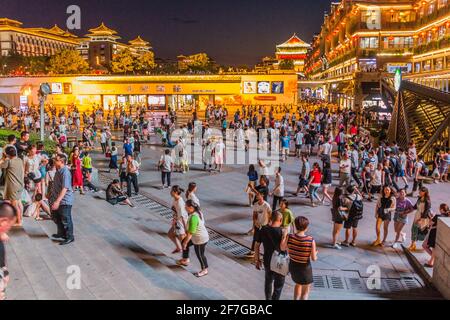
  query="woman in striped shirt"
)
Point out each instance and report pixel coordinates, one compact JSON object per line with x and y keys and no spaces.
{"x":302,"y":249}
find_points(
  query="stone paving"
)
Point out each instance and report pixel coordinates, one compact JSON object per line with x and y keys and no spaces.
{"x":124,"y":253}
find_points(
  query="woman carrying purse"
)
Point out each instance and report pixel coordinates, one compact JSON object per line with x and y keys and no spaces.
{"x":422,"y":217}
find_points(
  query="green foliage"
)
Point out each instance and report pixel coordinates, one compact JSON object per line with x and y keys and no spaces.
{"x":49,"y":146}
{"x":287,"y":65}
{"x":123,"y":62}
{"x":145,"y":63}
{"x":38,"y":65}
{"x":68,"y":62}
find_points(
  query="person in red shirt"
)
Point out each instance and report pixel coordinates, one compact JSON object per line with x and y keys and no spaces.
{"x":314,"y":183}
{"x":353,"y":130}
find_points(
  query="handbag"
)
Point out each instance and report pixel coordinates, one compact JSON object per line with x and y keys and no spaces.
{"x":280,"y":263}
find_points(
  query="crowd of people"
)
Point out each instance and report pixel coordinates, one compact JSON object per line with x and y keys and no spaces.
{"x":38,"y":182}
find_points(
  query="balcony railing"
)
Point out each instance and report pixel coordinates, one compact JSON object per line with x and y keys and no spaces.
{"x":433,"y":45}
{"x":434,"y":16}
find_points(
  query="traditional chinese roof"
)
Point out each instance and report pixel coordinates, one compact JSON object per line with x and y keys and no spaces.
{"x":56,"y":30}
{"x":10,"y":22}
{"x":103,"y":30}
{"x":294,"y":42}
{"x":139,"y":42}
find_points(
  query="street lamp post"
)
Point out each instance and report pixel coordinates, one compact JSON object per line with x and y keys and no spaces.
{"x":44,"y":91}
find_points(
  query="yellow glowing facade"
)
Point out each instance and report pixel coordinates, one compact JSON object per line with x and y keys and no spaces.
{"x":158,"y":93}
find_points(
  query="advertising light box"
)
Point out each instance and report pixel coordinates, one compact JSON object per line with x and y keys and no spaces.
{"x":264,"y":87}
{"x":57,"y":88}
{"x":250,"y":87}
{"x":278,"y":87}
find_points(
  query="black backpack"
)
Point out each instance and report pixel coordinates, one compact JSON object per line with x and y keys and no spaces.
{"x":356,"y":210}
{"x":396,"y":165}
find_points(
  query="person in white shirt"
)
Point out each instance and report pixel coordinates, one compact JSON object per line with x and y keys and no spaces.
{"x":261,"y":217}
{"x":345,"y":167}
{"x":191,"y":193}
{"x":325,"y":151}
{"x":177,"y":232}
{"x":298,"y":143}
{"x":219,"y":147}
{"x":2,"y":122}
{"x":103,"y":140}
{"x":166,"y":164}
{"x":278,"y":190}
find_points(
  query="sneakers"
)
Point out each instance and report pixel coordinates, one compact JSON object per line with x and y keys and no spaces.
{"x":403,"y":235}
{"x":67,"y":241}
{"x":337,"y":247}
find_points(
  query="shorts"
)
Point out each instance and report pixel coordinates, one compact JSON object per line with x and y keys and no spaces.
{"x":179,"y":229}
{"x":298,"y":147}
{"x":400,"y":174}
{"x":326,"y":185}
{"x":303,"y":183}
{"x":375,"y":189}
{"x":385,"y":216}
{"x":398,"y":218}
{"x":33,"y":178}
{"x":351,"y":223}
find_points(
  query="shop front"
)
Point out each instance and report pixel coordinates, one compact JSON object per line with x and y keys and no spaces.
{"x":157,"y":93}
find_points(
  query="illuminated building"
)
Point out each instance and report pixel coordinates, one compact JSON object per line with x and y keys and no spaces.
{"x":14,"y":39}
{"x":98,"y":47}
{"x":294,"y":50}
{"x":361,"y":42}
{"x":157,"y":93}
{"x":101,"y":45}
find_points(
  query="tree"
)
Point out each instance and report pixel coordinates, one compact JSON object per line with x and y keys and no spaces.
{"x":68,"y":62}
{"x":146,"y":62}
{"x":287,"y":65}
{"x":123,"y":62}
{"x":37,"y":65}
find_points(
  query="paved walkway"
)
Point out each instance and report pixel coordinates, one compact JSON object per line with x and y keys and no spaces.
{"x":124,"y":253}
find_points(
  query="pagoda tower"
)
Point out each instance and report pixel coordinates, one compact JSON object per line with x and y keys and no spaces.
{"x":295,"y":50}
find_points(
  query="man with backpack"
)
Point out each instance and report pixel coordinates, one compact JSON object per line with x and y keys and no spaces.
{"x":395,"y":167}
{"x":354,"y":202}
{"x":420,"y":171}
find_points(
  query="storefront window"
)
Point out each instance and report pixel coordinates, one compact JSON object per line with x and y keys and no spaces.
{"x":438,"y":64}
{"x":369,"y":43}
{"x":417,"y":67}
{"x":427,"y":65}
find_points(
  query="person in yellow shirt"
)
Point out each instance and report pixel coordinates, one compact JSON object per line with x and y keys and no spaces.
{"x":87,"y":166}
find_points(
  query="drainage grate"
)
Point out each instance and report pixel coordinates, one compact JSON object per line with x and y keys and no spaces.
{"x":320,"y":282}
{"x":218,"y":240}
{"x":392,"y":285}
{"x":355,"y":284}
{"x":336,"y":282}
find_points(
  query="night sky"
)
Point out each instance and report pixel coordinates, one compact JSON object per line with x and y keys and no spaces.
{"x":233,"y":32}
